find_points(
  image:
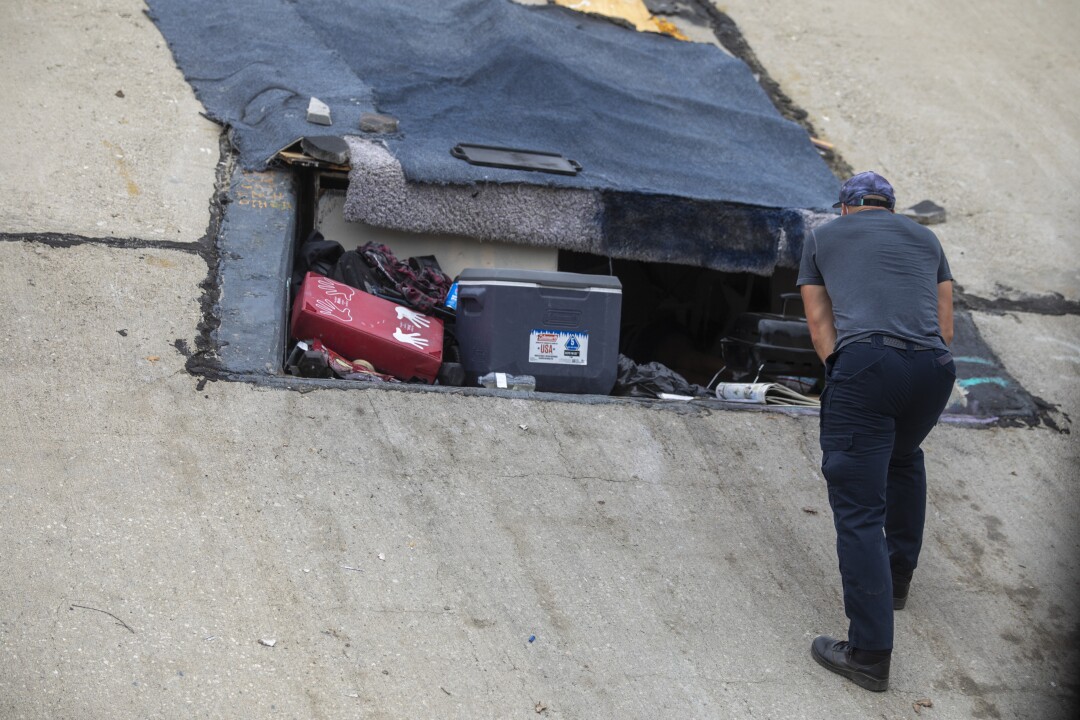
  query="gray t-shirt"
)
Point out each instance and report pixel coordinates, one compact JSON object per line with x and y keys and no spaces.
{"x":881,"y":271}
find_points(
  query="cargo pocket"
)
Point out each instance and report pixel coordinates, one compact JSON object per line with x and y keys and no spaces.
{"x":831,"y":444}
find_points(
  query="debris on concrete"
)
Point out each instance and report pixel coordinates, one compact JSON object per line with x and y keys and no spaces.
{"x":318,"y":112}
{"x":810,"y":511}
{"x":297,"y":154}
{"x":268,"y":642}
{"x":763,"y":394}
{"x":451,"y":373}
{"x":105,"y":612}
{"x":674,"y":397}
{"x":505,"y":381}
{"x":329,"y":148}
{"x":958,"y":400}
{"x":378,"y":123}
{"x":540,"y":707}
{"x":524,"y":427}
{"x":119,"y":93}
{"x":314,"y":360}
{"x":923,"y":703}
{"x":925,"y":213}
{"x":354,"y":569}
{"x":652,"y":379}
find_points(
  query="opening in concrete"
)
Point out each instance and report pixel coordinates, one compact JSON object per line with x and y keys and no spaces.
{"x":704,"y":326}
{"x":690,"y":318}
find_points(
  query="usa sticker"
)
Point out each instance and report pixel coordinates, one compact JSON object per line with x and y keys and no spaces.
{"x":559,"y":346}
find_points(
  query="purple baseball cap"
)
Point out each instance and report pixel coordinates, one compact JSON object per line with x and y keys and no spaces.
{"x":865,"y":183}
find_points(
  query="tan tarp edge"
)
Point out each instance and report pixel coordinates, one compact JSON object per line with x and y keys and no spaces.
{"x":633,"y":11}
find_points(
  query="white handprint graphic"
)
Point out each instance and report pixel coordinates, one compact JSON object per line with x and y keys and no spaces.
{"x":413,"y":339}
{"x":326,"y":307}
{"x":404,"y":313}
{"x":332,"y":289}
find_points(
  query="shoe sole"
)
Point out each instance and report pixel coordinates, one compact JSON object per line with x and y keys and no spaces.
{"x":863,"y":680}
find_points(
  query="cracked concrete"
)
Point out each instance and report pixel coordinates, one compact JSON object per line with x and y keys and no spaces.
{"x":402,"y":547}
{"x":962,"y":110}
{"x":107,"y":137}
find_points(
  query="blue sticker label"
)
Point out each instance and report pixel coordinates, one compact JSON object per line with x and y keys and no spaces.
{"x":559,"y":346}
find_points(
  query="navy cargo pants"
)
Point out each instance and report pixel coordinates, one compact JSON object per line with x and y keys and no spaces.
{"x":878,"y":405}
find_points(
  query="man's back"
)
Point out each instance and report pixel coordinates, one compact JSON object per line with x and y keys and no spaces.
{"x":882,"y":272}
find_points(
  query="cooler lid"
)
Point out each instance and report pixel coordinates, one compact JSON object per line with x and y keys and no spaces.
{"x":538,"y":278}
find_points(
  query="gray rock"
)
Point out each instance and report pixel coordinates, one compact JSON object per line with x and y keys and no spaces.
{"x":925,"y":213}
{"x":318,"y":112}
{"x":329,"y":148}
{"x":378,"y":123}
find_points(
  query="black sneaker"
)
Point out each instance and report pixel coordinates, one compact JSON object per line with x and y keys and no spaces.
{"x":899,"y":593}
{"x":836,"y":655}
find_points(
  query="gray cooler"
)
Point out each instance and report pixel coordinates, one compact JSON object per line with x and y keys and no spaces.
{"x":561,"y":328}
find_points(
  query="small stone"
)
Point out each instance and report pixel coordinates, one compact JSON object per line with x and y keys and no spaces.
{"x":925,"y":213}
{"x":318,"y":112}
{"x":378,"y":123}
{"x":119,"y":93}
{"x":328,"y":148}
{"x":268,"y":642}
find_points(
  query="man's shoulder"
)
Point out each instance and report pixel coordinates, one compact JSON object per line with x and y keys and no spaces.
{"x":908,"y":222}
{"x":898,"y":222}
{"x":921,"y":231}
{"x":830,"y":228}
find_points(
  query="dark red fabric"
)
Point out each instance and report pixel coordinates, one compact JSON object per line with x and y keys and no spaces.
{"x":421,"y":289}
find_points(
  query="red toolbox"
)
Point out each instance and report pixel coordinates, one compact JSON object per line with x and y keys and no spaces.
{"x":395,"y":339}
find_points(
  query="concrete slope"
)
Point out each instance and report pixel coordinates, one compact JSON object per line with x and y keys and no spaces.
{"x":962,"y":103}
{"x":420,"y":555}
{"x":402,"y":548}
{"x":103,"y":136}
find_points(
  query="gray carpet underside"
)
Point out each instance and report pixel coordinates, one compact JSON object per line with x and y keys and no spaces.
{"x":379,"y":195}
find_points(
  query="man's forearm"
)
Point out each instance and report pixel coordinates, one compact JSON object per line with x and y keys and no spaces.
{"x":819,"y":318}
{"x":824,"y":341}
{"x":945,"y":310}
